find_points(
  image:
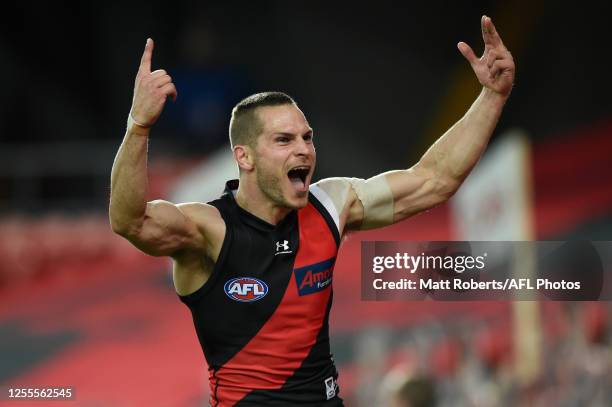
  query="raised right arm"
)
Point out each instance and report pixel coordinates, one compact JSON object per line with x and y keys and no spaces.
{"x":158,"y":228}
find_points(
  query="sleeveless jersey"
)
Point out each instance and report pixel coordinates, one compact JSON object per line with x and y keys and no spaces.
{"x":262,"y":316}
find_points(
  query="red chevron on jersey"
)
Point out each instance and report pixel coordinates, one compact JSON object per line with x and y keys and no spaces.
{"x":286,"y":338}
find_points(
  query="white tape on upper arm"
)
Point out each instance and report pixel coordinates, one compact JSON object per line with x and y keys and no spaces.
{"x":377,"y":200}
{"x":374,"y":194}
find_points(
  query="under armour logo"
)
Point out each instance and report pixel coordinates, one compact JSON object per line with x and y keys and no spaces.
{"x":330,"y":387}
{"x":282,"y":247}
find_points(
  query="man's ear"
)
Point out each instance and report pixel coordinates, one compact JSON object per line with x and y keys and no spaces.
{"x":244,"y":157}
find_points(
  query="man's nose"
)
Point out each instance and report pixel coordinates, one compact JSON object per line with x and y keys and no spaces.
{"x":303,"y":148}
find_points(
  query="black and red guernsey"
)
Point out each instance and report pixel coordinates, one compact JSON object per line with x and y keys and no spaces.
{"x":262,"y":317}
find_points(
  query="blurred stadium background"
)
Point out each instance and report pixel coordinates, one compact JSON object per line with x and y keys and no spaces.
{"x":80,"y":307}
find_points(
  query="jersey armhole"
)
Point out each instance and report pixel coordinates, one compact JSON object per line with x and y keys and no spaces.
{"x":326,"y":207}
{"x":194,"y":297}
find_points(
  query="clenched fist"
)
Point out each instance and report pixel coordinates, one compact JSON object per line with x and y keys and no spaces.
{"x":151,"y":90}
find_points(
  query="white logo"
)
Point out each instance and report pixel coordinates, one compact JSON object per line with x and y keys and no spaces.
{"x":282,"y":247}
{"x":330,"y":387}
{"x":245,"y":289}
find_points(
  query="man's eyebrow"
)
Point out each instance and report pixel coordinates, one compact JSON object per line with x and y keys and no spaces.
{"x":288,"y":134}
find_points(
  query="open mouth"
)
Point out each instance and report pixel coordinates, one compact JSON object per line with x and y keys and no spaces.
{"x":298,"y":176}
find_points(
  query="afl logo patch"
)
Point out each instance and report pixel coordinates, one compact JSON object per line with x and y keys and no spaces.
{"x":245,"y":289}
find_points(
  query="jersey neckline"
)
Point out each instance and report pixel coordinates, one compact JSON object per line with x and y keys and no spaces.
{"x":231,"y":187}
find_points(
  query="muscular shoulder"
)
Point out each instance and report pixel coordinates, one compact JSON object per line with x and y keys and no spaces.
{"x":365,"y":204}
{"x":208,"y":220}
{"x":191,"y":270}
{"x":198,"y":210}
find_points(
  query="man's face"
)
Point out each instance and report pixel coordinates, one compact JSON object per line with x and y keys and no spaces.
{"x":285,"y":156}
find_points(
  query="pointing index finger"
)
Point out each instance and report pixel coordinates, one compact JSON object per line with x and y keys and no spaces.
{"x":145,"y":61}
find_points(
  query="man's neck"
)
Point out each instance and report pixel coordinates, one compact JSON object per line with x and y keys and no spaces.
{"x":254,"y":201}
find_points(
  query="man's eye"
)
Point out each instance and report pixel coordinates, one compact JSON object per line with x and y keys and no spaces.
{"x":308,"y":137}
{"x":282,"y":139}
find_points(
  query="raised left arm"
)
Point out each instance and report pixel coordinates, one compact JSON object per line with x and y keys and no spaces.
{"x":446,"y":164}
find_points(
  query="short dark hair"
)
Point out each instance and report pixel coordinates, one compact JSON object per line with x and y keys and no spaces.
{"x":245,"y":126}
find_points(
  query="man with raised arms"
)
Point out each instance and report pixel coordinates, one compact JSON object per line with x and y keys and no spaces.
{"x":255,"y":266}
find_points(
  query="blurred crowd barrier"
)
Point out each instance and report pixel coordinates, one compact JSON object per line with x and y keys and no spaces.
{"x":60,"y":247}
